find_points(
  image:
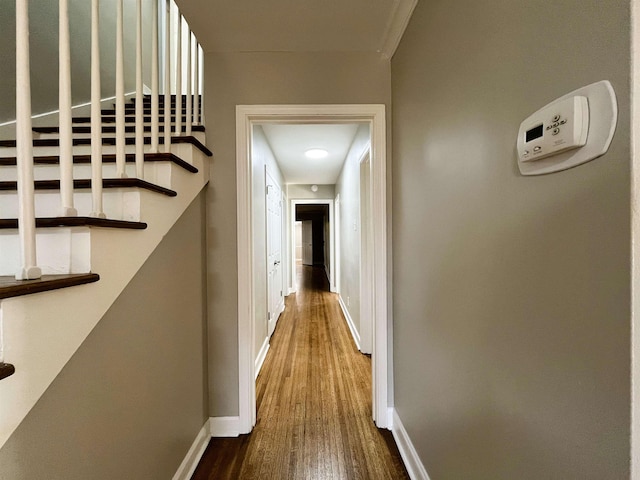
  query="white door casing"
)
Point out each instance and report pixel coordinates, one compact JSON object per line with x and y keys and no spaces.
{"x":374,"y":115}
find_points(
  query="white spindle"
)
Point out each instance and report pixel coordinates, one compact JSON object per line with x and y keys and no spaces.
{"x":179,"y":77}
{"x":24,"y":148}
{"x":154,"y":79}
{"x":120,"y":126}
{"x":189,"y":83}
{"x":167,"y":78}
{"x":64,"y":105}
{"x":202,"y":119}
{"x":96,"y":114}
{"x":139,"y":95}
{"x":196,"y":76}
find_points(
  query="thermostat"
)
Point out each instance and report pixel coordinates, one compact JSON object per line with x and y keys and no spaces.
{"x":571,"y":130}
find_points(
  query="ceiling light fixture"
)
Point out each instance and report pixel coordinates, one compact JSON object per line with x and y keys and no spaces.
{"x":316,"y":153}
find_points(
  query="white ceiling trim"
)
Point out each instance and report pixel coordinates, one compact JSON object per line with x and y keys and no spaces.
{"x":397,"y":25}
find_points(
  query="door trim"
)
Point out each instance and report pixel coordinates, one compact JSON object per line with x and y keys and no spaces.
{"x":246,"y":117}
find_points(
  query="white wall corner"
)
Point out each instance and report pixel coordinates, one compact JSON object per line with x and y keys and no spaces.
{"x":191,"y":460}
{"x":397,"y":25}
{"x":352,"y":327}
{"x":262,"y":354}
{"x":412,"y":461}
{"x":225,"y":426}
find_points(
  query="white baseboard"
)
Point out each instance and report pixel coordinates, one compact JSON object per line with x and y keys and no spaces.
{"x":190,"y":462}
{"x":354,"y":332}
{"x":412,"y":461}
{"x":224,"y":426}
{"x":262,"y":355}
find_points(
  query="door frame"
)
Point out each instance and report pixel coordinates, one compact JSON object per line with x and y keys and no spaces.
{"x":332,"y":237}
{"x":246,"y":117}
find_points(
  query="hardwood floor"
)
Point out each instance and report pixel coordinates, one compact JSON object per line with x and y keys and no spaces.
{"x":314,"y":403}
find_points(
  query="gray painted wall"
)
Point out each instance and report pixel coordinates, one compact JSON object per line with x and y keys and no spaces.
{"x":261,"y":78}
{"x":132,"y":399}
{"x":512,"y":294}
{"x":43,"y":18}
{"x":348,"y":187}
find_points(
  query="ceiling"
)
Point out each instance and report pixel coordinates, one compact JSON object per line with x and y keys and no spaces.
{"x":298,"y":25}
{"x":366,"y":26}
{"x":289,"y":142}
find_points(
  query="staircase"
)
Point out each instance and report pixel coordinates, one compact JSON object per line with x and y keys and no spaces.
{"x":42,"y":331}
{"x":42,"y":321}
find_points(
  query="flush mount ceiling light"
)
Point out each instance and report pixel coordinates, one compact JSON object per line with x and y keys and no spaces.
{"x":316,"y":153}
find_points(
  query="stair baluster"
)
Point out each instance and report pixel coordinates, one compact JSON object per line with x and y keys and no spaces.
{"x":64,"y":105}
{"x":139,"y":95}
{"x":96,"y":118}
{"x":189,"y":81}
{"x":167,"y":78}
{"x":155,"y":73}
{"x":120,"y":124}
{"x":196,"y":80}
{"x":24,"y":148}
{"x":179,"y":70}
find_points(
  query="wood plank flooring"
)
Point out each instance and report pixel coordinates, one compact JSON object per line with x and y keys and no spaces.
{"x":314,"y":403}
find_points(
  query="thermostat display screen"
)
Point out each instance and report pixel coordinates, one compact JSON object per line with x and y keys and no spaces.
{"x":535,"y":132}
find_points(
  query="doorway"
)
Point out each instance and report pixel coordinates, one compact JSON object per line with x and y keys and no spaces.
{"x":246,"y":117}
{"x":317,"y":236}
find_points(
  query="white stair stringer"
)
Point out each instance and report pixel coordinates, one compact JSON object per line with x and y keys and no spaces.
{"x":42,"y":331}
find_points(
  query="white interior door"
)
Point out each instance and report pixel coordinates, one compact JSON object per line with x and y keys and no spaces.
{"x":307,"y":242}
{"x":275,"y":297}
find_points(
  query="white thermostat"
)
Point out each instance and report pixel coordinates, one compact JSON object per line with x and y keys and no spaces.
{"x":571,"y":130}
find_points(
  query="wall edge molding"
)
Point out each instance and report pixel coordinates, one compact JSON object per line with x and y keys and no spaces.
{"x":262,"y":354}
{"x":191,"y":460}
{"x":397,"y":26}
{"x":352,"y":328}
{"x":412,"y":461}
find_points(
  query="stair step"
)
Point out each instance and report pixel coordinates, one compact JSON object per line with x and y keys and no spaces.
{"x":81,"y":183}
{"x":127,"y":119}
{"x":112,"y":129}
{"x":131,"y":110}
{"x":147,"y":101}
{"x":10,"y":287}
{"x":86,"y":159}
{"x":53,"y":222}
{"x":6,"y":369}
{"x":54,"y":142}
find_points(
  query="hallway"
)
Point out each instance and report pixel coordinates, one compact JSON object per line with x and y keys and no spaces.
{"x":314,"y":403}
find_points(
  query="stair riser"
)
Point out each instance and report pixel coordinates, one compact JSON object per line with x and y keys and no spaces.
{"x":59,"y":251}
{"x":119,"y":204}
{"x":158,"y":173}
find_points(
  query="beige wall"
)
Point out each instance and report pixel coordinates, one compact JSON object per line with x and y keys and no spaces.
{"x":261,"y":78}
{"x":348,"y":187}
{"x":132,"y":399}
{"x":512,"y":294}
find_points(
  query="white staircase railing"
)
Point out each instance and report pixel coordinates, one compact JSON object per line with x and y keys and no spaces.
{"x":187,"y":95}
